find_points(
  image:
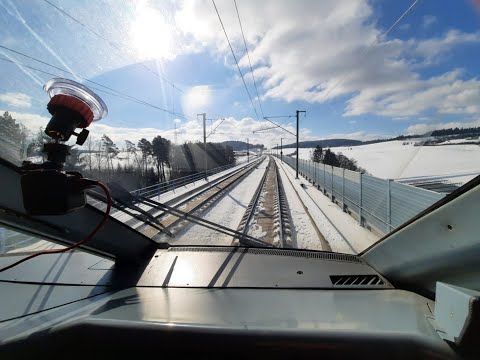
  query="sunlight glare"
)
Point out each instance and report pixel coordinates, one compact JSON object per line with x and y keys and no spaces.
{"x":151,"y":35}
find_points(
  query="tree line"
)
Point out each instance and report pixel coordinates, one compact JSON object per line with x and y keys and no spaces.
{"x":134,"y":165}
{"x":13,"y":138}
{"x":328,"y":157}
{"x":457,"y":131}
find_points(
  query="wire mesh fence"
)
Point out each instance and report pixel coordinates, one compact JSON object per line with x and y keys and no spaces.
{"x":378,"y":204}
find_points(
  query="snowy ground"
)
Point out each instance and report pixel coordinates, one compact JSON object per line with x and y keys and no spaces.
{"x":341,"y":231}
{"x":24,"y":243}
{"x":227,"y":212}
{"x":304,"y":235}
{"x":172,"y":194}
{"x":230,"y":209}
{"x":392,"y":160}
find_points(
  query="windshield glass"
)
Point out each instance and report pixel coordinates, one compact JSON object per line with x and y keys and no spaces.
{"x":312,"y":125}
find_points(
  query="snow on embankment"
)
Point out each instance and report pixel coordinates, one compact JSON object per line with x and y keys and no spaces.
{"x":393,"y":160}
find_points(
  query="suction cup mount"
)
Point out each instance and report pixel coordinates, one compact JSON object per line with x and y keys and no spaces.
{"x":72,"y":106}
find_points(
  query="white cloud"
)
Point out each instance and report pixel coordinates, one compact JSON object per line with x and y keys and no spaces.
{"x":404,"y":27}
{"x":359,"y":135}
{"x":433,"y":47}
{"x":428,"y":20}
{"x":229,"y":129}
{"x":425,"y":118}
{"x":352,"y":122}
{"x":447,"y":94}
{"x":301,"y":50}
{"x":16,"y":99}
{"x":419,"y":129}
{"x":196,"y":100}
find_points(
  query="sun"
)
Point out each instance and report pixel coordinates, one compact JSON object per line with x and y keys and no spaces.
{"x":151,"y":36}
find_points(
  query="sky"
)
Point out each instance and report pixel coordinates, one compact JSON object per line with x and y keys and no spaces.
{"x":157,"y":64}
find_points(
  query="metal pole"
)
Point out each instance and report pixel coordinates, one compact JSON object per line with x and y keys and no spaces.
{"x":389,"y":204}
{"x":281,"y":150}
{"x":296,"y":176}
{"x":324,"y":180}
{"x":360,"y":203}
{"x":248,"y":152}
{"x":298,"y":134}
{"x":332,"y":182}
{"x":205,"y":141}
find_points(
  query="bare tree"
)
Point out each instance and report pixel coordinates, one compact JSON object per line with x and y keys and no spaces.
{"x":111,"y":151}
{"x":131,"y":149}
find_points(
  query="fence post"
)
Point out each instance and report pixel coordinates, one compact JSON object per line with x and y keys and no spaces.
{"x":3,"y":240}
{"x":315,"y":173}
{"x":389,"y":205}
{"x":332,"y":184}
{"x":360,"y":203}
{"x":324,"y":182}
{"x":311,"y":171}
{"x":343,"y":189}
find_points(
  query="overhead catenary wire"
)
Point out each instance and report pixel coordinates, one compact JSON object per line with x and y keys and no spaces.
{"x":277,"y":125}
{"x":278,"y":116}
{"x":370,"y":49}
{"x":216,"y":127}
{"x":235,"y":58}
{"x":63,"y":12}
{"x":118,"y":93}
{"x":248,"y":56}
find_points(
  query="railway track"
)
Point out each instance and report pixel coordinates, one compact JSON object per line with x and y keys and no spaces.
{"x":135,"y":221}
{"x":195,"y":204}
{"x":147,"y":218}
{"x":267,"y":217}
{"x":324,"y":243}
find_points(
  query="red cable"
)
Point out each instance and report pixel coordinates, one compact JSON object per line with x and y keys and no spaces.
{"x":90,"y":236}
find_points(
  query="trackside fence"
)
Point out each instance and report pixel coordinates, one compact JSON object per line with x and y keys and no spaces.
{"x":160,"y":188}
{"x":378,"y":204}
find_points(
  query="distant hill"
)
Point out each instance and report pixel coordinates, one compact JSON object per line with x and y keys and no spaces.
{"x":475,"y":131}
{"x":324,"y":143}
{"x":241,"y":145}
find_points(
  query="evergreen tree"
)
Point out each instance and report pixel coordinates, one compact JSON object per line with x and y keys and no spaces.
{"x":13,"y":138}
{"x":146,"y":148}
{"x":161,"y":153}
{"x":317,"y":155}
{"x":330,"y":158}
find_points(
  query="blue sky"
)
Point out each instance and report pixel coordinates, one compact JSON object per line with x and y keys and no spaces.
{"x":312,"y":56}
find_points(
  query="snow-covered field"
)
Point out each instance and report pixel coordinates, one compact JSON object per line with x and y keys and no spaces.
{"x":393,"y":160}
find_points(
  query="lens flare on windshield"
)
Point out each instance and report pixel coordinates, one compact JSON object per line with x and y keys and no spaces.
{"x":151,"y":36}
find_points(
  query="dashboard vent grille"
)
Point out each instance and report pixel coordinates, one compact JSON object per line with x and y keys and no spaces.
{"x":202,"y":249}
{"x":349,"y":280}
{"x":277,"y":252}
